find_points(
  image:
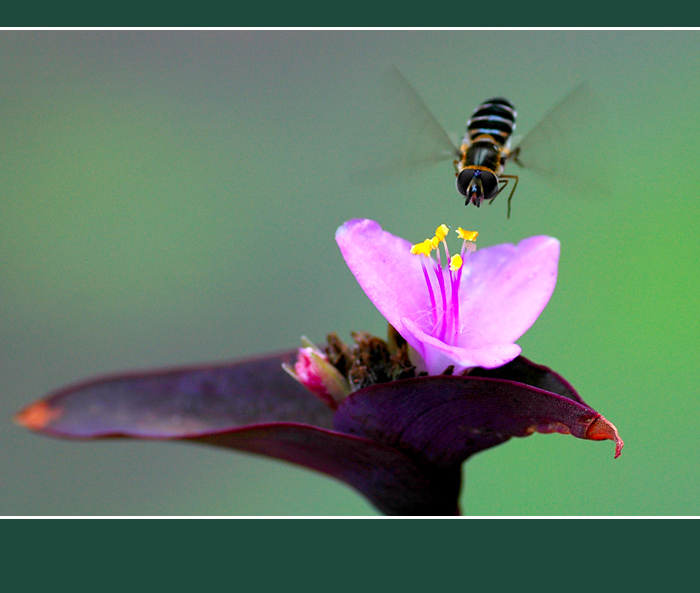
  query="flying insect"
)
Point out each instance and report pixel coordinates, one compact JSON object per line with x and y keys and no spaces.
{"x":552,"y":147}
{"x":484,"y":152}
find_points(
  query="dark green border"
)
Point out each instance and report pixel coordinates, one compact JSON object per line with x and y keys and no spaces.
{"x":504,"y":14}
{"x":377,"y":554}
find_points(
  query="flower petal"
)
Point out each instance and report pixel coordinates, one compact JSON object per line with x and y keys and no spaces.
{"x":443,"y":420}
{"x":438,"y":355}
{"x":383,"y":265}
{"x":179,"y":402}
{"x":505,"y":288}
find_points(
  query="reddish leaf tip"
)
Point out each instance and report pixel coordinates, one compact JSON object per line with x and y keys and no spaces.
{"x":37,"y":416}
{"x":601,"y":429}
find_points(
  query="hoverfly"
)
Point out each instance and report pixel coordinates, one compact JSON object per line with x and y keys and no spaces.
{"x":485,"y":150}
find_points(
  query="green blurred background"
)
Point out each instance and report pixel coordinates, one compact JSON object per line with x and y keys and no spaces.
{"x":170,"y":198}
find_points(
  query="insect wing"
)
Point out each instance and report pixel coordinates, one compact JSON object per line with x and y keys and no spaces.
{"x":411,"y":136}
{"x":568,"y":145}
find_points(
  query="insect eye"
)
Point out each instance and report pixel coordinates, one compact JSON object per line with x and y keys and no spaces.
{"x":490,"y":184}
{"x":464,"y":179}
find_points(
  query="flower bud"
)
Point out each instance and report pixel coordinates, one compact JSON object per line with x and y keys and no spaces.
{"x":313,"y":370}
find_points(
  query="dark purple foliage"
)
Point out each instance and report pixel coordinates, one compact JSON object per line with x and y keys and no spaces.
{"x":400,"y":443}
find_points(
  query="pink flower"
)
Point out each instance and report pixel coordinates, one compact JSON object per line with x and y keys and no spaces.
{"x":468,"y":317}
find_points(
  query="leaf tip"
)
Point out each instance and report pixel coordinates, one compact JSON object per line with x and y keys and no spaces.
{"x":37,"y":416}
{"x":601,"y":429}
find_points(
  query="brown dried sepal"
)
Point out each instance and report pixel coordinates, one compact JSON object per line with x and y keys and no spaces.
{"x":370,"y":360}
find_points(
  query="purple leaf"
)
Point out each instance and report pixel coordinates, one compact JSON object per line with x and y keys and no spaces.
{"x":250,"y":406}
{"x":440,"y":421}
{"x":179,"y":402}
{"x":401,"y":443}
{"x":393,"y":482}
{"x":522,"y":370}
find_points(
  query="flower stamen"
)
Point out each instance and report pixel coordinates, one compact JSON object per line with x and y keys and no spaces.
{"x":425,"y":248}
{"x":455,"y":274}
{"x":468,"y":246}
{"x":467,"y":235}
{"x":446,"y":323}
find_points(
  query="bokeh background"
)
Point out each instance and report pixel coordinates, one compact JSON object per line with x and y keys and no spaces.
{"x":170,"y":197}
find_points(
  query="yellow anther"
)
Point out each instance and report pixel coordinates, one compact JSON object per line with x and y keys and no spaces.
{"x":467,"y":235}
{"x":423,"y":248}
{"x":441,"y":232}
{"x":455,"y":262}
{"x":426,"y":247}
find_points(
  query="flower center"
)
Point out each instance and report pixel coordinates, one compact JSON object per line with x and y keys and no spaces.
{"x":444,"y":308}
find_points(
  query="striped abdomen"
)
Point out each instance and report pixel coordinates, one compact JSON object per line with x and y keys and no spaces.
{"x":494,"y":117}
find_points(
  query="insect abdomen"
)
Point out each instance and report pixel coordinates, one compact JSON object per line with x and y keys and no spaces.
{"x":494,"y":117}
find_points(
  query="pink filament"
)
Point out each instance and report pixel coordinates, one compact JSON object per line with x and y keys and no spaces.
{"x":439,"y":273}
{"x":455,"y":277}
{"x":433,"y":305}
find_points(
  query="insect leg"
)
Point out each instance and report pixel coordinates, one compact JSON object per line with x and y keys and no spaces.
{"x":504,"y":179}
